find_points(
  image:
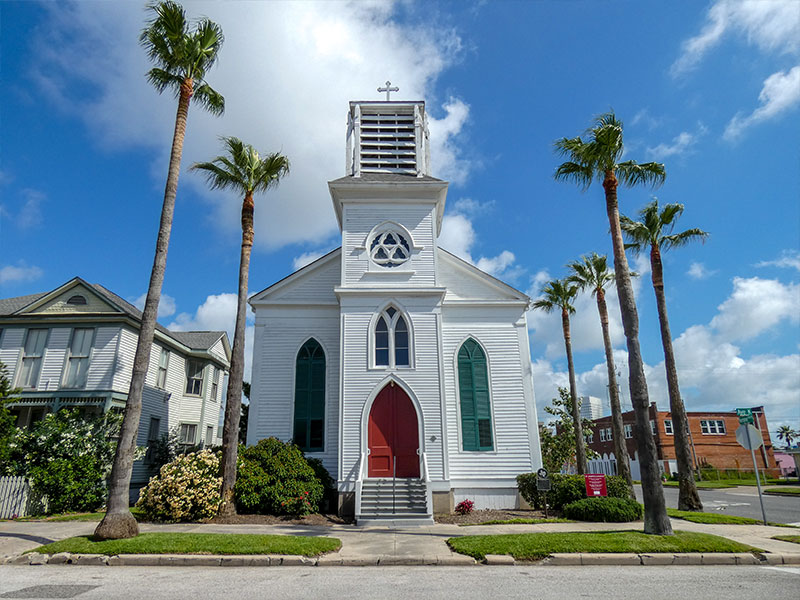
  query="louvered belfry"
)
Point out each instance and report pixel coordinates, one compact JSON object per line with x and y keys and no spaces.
{"x":388,"y":137}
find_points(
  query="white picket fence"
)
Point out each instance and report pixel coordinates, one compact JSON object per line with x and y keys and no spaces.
{"x":16,"y":499}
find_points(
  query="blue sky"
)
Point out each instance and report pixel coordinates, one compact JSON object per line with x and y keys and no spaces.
{"x":711,"y":89}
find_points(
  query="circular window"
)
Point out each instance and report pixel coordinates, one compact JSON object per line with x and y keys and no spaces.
{"x":389,"y":249}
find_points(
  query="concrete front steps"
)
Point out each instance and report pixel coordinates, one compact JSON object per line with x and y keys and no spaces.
{"x":395,"y":502}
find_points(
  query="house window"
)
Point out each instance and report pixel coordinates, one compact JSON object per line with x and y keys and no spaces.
{"x":152,"y":437}
{"x":668,"y":426}
{"x":77,"y":300}
{"x":214,"y":383}
{"x":712,"y":427}
{"x":32,"y":357}
{"x":653,"y":427}
{"x":309,"y":397}
{"x":392,"y":340}
{"x":602,"y":435}
{"x":389,"y":249}
{"x":188,"y":434}
{"x":608,"y":435}
{"x":628,"y":431}
{"x":194,"y":377}
{"x":78,"y":363}
{"x":163,"y":363}
{"x":209,"y":435}
{"x":590,"y":438}
{"x":473,"y":387}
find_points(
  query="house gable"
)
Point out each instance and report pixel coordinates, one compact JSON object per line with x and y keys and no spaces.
{"x":74,"y":297}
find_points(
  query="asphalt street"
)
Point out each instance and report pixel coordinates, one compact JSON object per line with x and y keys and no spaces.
{"x":740,"y":501}
{"x":539,"y":582}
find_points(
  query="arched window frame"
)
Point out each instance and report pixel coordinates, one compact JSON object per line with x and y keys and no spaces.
{"x":324,"y":399}
{"x":386,"y":227}
{"x":463,"y":446}
{"x":391,"y":322}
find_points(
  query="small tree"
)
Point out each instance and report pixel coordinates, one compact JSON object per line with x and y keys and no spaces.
{"x":787,"y":434}
{"x":7,"y":420}
{"x":558,"y":447}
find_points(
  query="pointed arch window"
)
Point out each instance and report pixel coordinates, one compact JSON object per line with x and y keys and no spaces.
{"x":392,"y":341}
{"x":475,"y":403}
{"x":309,"y":397}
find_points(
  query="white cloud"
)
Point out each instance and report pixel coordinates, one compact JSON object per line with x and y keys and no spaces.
{"x":780,"y":93}
{"x":166,"y":305}
{"x":218,"y":313}
{"x":19,"y":273}
{"x":457,"y":235}
{"x":498,"y":264}
{"x":788,"y":259}
{"x":645,"y":118}
{"x":30,"y":213}
{"x":306,"y":258}
{"x":755,"y":306}
{"x":771,"y":25}
{"x":698,"y":270}
{"x":681,"y":144}
{"x":315,"y":57}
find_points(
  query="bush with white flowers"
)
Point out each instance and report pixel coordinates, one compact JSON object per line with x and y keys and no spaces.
{"x":187,"y":489}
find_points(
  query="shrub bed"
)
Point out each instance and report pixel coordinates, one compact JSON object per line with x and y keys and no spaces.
{"x":565,"y":489}
{"x":607,"y":510}
{"x":274,"y":478}
{"x":187,"y":489}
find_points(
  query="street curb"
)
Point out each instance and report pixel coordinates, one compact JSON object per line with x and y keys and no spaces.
{"x":336,"y":560}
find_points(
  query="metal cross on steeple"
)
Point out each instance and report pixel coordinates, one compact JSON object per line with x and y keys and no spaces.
{"x":388,"y":89}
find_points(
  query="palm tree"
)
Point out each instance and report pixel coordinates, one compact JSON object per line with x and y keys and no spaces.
{"x":787,"y":434}
{"x":245,"y":171}
{"x":592,"y":273}
{"x":654,"y":232}
{"x":560,"y":294}
{"x":598,"y":158}
{"x":182,"y":55}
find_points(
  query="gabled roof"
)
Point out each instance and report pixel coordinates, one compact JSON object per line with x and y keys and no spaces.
{"x":490,"y":281}
{"x":300,"y":273}
{"x":21,"y":306}
{"x":387,"y":178}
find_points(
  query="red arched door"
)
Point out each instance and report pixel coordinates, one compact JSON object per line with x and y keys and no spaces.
{"x":392,"y":435}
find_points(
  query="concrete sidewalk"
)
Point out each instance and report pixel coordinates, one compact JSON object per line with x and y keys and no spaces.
{"x":412,"y":545}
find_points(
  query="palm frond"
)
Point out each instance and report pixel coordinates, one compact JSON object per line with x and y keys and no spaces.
{"x":161,"y":80}
{"x":558,"y":293}
{"x":637,"y":234}
{"x":209,"y":99}
{"x":582,"y":175}
{"x":591,"y":272}
{"x":681,"y":239}
{"x":631,"y":173}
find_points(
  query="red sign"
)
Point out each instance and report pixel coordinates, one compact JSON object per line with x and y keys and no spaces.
{"x":596,"y":485}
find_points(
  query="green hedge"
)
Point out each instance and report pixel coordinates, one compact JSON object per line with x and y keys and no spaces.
{"x":608,"y":510}
{"x":566,"y":489}
{"x":274,"y":478}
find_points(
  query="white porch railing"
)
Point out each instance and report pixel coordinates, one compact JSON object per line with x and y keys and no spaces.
{"x":426,"y":477}
{"x":362,"y":474}
{"x":16,"y":498}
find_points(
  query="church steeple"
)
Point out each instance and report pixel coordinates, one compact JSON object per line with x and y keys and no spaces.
{"x":387,"y":136}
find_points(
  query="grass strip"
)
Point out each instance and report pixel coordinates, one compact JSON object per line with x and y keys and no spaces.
{"x":517,"y":521}
{"x":717,"y":518}
{"x":89,"y":516}
{"x":708,"y":485}
{"x":783,"y":491}
{"x":795,"y":539}
{"x":535,"y":546}
{"x":196,"y":543}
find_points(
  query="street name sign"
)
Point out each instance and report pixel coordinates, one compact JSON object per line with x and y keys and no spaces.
{"x":745,"y":416}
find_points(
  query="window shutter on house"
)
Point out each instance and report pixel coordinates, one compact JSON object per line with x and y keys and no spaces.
{"x":473,"y":384}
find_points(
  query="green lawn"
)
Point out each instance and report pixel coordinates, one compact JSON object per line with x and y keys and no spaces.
{"x":710,"y":485}
{"x":787,"y":538}
{"x":196,"y":543}
{"x":717,"y":518}
{"x":535,"y":546}
{"x":92,"y":516}
{"x":794,"y":491}
{"x":518,"y":522}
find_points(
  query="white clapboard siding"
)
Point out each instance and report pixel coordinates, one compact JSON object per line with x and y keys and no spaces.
{"x":218,"y":350}
{"x":11,"y":349}
{"x":153,"y":405}
{"x":512,"y":449}
{"x":313,"y":286}
{"x":54,"y":360}
{"x":104,"y":359}
{"x":463,"y":283}
{"x":360,"y":383}
{"x":360,"y":219}
{"x":125,"y":354}
{"x":280,"y":333}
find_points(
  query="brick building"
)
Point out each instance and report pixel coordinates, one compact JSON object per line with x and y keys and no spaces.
{"x":713,"y":438}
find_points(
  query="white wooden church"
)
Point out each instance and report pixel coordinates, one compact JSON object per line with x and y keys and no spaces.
{"x":405,"y":369}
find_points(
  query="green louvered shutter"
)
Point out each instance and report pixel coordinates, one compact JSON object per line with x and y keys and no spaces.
{"x":309,"y":397}
{"x":473,"y":385}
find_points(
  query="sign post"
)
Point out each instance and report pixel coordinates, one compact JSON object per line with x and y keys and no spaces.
{"x":543,"y":485}
{"x":749,"y":438}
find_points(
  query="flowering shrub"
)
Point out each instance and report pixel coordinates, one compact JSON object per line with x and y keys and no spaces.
{"x":68,"y":456}
{"x":464,"y":507}
{"x":274,"y":478}
{"x":187,"y":489}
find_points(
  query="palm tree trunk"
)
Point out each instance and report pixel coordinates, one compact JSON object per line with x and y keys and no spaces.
{"x":580,"y":448}
{"x":233,"y":404}
{"x":688,"y":498}
{"x":620,"y":445}
{"x":118,"y":522}
{"x":655,"y":509}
